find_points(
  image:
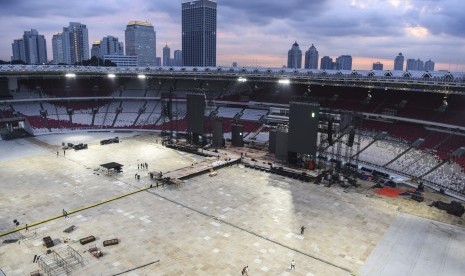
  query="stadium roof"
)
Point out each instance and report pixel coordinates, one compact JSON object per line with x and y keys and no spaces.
{"x":421,"y":81}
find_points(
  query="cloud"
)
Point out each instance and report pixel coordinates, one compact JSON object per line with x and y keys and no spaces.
{"x":260,"y":32}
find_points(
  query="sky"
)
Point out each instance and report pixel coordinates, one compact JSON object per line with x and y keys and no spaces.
{"x":260,"y":32}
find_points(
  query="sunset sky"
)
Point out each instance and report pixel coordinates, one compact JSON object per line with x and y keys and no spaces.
{"x":260,"y":32}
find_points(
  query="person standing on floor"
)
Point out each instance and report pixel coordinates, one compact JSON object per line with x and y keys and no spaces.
{"x":302,"y":229}
{"x":292,"y":264}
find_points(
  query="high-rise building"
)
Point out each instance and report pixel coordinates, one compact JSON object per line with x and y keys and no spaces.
{"x":166,"y":55}
{"x":199,"y":33}
{"x":410,"y":64}
{"x":178,"y":58}
{"x":79,"y":42}
{"x":19,"y":52}
{"x":140,"y":38}
{"x":415,"y":65}
{"x":60,"y":45}
{"x":95,"y":49}
{"x":326,"y":63}
{"x":294,"y":56}
{"x":109,"y":45}
{"x":378,"y":66}
{"x":399,"y":63}
{"x":72,"y":45}
{"x":429,"y":65}
{"x":311,"y":58}
{"x":344,"y":62}
{"x":31,"y":49}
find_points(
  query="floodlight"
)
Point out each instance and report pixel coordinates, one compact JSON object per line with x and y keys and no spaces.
{"x":141,"y":76}
{"x":70,"y":75}
{"x":111,"y":76}
{"x":284,"y":81}
{"x":241,"y":79}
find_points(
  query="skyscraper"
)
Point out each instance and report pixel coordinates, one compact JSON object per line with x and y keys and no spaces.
{"x":429,"y":65}
{"x":109,"y":45}
{"x":177,"y":58}
{"x":31,"y":49}
{"x":79,"y":42}
{"x":140,"y":38}
{"x":311,"y":58}
{"x":19,"y":52}
{"x":326,"y":63}
{"x":377,"y":66}
{"x":294,"y":56}
{"x":415,"y":65}
{"x":166,"y":55}
{"x":95,"y":49}
{"x":399,"y":63}
{"x":72,"y":45}
{"x":344,"y":62}
{"x":199,"y":33}
{"x":60,"y":44}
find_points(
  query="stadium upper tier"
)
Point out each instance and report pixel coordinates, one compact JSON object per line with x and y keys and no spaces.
{"x":424,"y":81}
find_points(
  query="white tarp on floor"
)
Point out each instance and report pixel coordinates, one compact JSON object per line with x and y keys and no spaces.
{"x":417,"y":246}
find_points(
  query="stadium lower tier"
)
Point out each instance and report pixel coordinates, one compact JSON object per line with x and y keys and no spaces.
{"x":431,"y":161}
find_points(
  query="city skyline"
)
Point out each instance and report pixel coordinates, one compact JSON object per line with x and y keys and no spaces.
{"x":370,"y":30}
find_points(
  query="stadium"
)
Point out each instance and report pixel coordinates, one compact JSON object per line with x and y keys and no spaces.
{"x":240,"y":200}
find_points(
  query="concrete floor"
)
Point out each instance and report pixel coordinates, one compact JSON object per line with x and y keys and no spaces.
{"x":208,"y":225}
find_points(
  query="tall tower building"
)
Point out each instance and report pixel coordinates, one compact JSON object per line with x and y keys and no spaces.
{"x":419,"y":65}
{"x":19,"y":52}
{"x":166,"y":55}
{"x":415,"y":65}
{"x":140,"y":38}
{"x":95,"y":49}
{"x":311,"y":58}
{"x":31,"y":49}
{"x":79,"y":42}
{"x":294,"y":56}
{"x":177,"y":58}
{"x":72,"y":45}
{"x":411,"y":63}
{"x":60,"y":46}
{"x":109,"y":45}
{"x":344,"y":62}
{"x":199,"y":33}
{"x":326,"y":63}
{"x":399,"y":63}
{"x":429,"y":65}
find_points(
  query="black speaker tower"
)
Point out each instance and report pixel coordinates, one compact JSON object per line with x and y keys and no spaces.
{"x":196,"y":117}
{"x":237,"y":135}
